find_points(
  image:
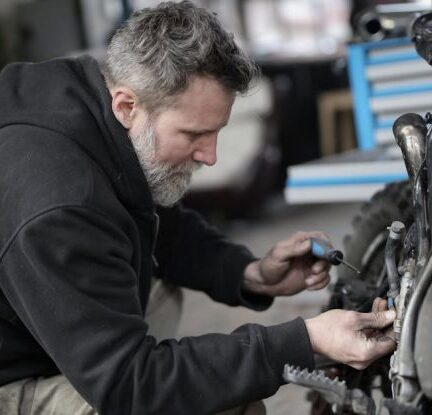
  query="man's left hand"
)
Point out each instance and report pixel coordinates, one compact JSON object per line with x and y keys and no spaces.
{"x":288,"y":268}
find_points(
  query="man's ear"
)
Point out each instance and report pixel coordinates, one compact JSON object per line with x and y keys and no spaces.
{"x":124,"y":105}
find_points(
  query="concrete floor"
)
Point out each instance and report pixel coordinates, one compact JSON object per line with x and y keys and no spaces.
{"x":201,"y":315}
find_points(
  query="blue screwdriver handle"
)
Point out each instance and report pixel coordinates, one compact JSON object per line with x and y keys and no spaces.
{"x":320,"y":247}
{"x":323,"y":250}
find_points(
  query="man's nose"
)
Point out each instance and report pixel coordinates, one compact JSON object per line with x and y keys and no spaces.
{"x":206,"y":152}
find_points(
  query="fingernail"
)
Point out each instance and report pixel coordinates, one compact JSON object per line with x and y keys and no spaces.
{"x":390,"y":314}
{"x":317,"y":268}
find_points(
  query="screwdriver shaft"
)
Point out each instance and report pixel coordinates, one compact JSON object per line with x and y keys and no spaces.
{"x":347,"y":264}
{"x":323,"y":250}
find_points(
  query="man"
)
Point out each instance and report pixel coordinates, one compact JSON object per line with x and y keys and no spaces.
{"x":91,"y":168}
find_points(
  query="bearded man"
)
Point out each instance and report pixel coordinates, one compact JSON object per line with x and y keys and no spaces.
{"x":92,"y":164}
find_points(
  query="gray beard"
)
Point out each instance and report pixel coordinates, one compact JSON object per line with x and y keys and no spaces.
{"x":167,"y":184}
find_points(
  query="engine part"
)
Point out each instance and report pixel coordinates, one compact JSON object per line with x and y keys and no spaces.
{"x":410,"y":133}
{"x":410,"y":241}
{"x":393,"y":243}
{"x":405,"y":380}
{"x":402,"y":300}
{"x":422,"y":223}
{"x":423,"y":345}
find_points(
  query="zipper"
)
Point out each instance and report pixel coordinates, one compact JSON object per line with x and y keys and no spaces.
{"x":156,"y":233}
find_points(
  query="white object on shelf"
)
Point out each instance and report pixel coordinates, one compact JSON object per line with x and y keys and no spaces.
{"x":352,"y":176}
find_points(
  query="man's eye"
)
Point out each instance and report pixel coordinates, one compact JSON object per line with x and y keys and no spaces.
{"x":195,"y":136}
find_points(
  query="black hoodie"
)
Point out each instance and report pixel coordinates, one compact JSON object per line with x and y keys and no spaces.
{"x":77,"y":235}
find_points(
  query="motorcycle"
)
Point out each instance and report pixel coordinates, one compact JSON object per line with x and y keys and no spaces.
{"x":391,"y":245}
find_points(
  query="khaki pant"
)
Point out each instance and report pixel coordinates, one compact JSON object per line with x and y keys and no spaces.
{"x":56,"y":396}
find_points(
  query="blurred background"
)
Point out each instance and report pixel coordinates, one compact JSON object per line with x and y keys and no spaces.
{"x":322,"y":110}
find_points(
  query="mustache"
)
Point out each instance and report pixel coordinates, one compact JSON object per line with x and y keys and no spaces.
{"x":186,"y":168}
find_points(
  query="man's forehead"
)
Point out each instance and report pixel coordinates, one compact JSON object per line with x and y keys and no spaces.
{"x":200,"y":89}
{"x":204,"y":105}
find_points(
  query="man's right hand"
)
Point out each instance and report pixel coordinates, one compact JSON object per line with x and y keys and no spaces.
{"x":356,"y":339}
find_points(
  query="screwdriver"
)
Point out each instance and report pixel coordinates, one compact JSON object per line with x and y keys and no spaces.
{"x":323,"y":250}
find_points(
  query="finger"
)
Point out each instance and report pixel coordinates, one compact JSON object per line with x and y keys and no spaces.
{"x":299,"y":243}
{"x":376,"y":348}
{"x":375,"y":305}
{"x":369,"y":332}
{"x":389,"y":332}
{"x":300,"y":248}
{"x":320,"y":285}
{"x":377,"y":320}
{"x":319,"y":279}
{"x":382,"y":305}
{"x":285,"y":250}
{"x":320,"y":266}
{"x":379,"y":304}
{"x":316,"y":234}
{"x":380,"y":346}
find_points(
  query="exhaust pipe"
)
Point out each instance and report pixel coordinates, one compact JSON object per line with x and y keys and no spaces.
{"x":410,"y":132}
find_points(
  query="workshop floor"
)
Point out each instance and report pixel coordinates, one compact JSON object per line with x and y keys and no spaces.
{"x":201,"y":315}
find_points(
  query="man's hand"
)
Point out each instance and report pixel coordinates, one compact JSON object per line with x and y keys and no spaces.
{"x":356,"y":339}
{"x":288,"y":268}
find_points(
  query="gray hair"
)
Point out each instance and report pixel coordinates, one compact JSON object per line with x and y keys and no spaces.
{"x":158,"y":50}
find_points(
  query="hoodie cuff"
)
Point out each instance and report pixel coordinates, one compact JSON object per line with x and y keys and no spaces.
{"x":256,"y":302}
{"x":288,"y":343}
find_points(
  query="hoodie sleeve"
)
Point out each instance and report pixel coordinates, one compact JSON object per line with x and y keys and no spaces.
{"x":67,"y":273}
{"x":195,"y":255}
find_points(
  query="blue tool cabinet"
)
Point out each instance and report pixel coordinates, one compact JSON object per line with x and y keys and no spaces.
{"x":387,"y":79}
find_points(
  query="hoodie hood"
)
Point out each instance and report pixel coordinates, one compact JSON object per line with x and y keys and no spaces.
{"x":69,"y":97}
